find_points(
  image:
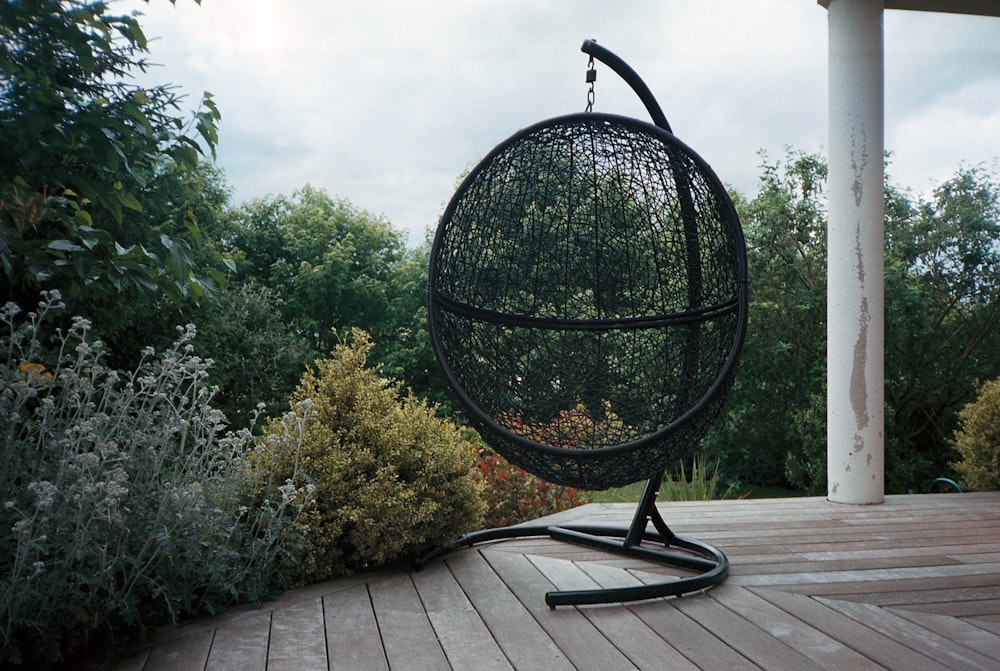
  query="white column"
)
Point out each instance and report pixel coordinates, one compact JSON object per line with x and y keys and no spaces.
{"x":855,"y":274}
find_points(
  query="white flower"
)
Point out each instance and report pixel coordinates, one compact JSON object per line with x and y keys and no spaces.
{"x":45,"y":491}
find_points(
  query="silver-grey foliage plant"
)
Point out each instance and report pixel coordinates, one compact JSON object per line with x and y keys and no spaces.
{"x":124,"y":501}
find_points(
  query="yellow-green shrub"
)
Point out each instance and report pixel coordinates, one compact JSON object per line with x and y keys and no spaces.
{"x":978,"y":440}
{"x":390,"y":477}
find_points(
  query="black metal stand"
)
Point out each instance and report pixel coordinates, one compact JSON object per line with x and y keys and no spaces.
{"x":707,"y":562}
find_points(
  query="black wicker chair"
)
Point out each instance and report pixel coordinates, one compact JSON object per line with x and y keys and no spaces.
{"x":588,"y":303}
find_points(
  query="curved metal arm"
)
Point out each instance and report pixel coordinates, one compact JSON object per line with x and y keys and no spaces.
{"x":681,"y":179}
{"x":625,"y":71}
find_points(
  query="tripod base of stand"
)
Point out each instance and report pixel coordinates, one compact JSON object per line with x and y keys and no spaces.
{"x":709,"y":565}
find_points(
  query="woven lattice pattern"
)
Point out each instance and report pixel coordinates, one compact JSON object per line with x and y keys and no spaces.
{"x":588,"y":298}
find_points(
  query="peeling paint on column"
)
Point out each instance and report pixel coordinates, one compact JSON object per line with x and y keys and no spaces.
{"x":859,"y":386}
{"x":859,"y":361}
{"x":859,"y":161}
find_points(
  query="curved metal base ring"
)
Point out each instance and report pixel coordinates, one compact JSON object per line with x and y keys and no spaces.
{"x":708,"y":563}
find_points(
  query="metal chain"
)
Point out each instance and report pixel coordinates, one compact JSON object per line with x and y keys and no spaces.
{"x":591,"y":78}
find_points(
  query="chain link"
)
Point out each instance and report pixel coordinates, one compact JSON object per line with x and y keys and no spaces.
{"x":591,"y":78}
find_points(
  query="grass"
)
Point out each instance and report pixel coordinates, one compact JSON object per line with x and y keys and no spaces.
{"x":626,"y":494}
{"x":702,"y":484}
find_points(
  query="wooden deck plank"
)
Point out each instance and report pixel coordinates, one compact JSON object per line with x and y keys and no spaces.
{"x":467,"y":642}
{"x":990,"y":623}
{"x":961,"y":631}
{"x":407,"y":634}
{"x":873,"y":575}
{"x":913,"y":636}
{"x":352,"y":635}
{"x":900,"y":551}
{"x":583,"y":644}
{"x":644,"y":647}
{"x":985,"y":607}
{"x":927,"y":596}
{"x":845,"y":548}
{"x":842,"y":587}
{"x":864,"y":640}
{"x":298,"y":636}
{"x":524,"y":642}
{"x":825,"y":651}
{"x":740,"y":565}
{"x":241,"y":645}
{"x":192,"y":653}
{"x":626,"y":573}
{"x":692,"y":640}
{"x":742,"y":635}
{"x":987,"y":558}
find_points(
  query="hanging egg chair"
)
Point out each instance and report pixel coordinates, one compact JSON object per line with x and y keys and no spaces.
{"x":587,"y":303}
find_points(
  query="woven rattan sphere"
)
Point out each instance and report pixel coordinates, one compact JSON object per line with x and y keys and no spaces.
{"x":588,"y":298}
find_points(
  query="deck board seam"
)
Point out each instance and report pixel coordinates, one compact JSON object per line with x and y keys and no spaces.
{"x":479,"y":615}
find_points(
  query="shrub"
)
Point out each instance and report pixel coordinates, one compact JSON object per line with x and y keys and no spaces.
{"x":391,"y":479}
{"x":703,"y":485}
{"x":256,"y":356}
{"x":514,"y":495}
{"x":977,"y":440}
{"x":124,"y":501}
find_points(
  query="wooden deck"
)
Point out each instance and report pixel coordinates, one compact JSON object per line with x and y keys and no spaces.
{"x":911,"y":584}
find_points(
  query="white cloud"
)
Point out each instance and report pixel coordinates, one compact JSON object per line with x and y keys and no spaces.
{"x":385,"y":102}
{"x":934,"y":140}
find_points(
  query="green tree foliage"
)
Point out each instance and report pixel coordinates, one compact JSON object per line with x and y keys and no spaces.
{"x":783,"y":366}
{"x":80,"y":148}
{"x":179,"y":204}
{"x":330,"y":262}
{"x":942,"y":317}
{"x":406,"y":353}
{"x":255,"y":357}
{"x":332,"y":267}
{"x":942,"y":299}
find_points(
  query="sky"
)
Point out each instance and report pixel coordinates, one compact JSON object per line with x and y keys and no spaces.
{"x":387,"y":102}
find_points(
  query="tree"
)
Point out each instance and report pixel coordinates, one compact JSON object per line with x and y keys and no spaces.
{"x":783,"y":366}
{"x":942,"y":296}
{"x":331,"y":267}
{"x":255,"y":357}
{"x":178,"y":204}
{"x":329,"y":262}
{"x":80,"y":147}
{"x":405,"y":351}
{"x":942,"y":317}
